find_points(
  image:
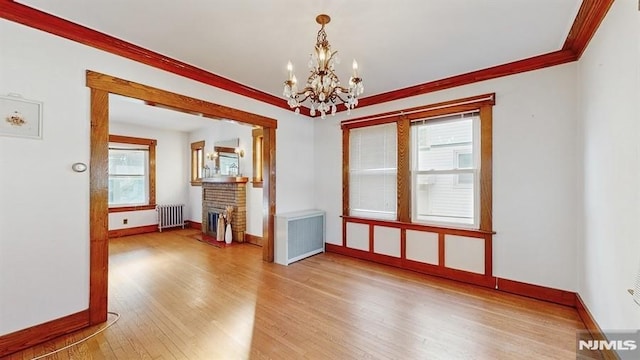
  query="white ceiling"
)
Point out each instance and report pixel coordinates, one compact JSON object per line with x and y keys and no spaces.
{"x":397,"y":43}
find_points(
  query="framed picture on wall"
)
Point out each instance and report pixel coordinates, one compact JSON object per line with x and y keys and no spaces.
{"x":20,"y":117}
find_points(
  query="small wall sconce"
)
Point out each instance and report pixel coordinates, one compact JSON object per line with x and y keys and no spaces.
{"x":239,"y":151}
{"x":212,"y":156}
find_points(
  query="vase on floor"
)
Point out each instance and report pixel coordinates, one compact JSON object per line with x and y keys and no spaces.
{"x":220,"y":229}
{"x":227,"y":234}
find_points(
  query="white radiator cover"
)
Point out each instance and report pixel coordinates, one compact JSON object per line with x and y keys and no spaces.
{"x":299,"y":234}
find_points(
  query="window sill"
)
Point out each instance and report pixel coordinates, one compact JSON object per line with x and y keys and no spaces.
{"x":131,"y":208}
{"x":419,"y":226}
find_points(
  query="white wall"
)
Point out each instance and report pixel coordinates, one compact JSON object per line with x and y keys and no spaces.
{"x":219,"y":131}
{"x":172,"y":172}
{"x":609,"y":83}
{"x":44,"y":206}
{"x":534,"y":171}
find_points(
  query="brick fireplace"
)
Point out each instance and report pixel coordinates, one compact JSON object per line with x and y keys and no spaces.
{"x":218,"y":193}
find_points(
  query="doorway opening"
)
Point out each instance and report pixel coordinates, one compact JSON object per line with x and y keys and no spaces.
{"x":101,"y":86}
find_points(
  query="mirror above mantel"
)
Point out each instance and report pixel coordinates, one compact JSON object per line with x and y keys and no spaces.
{"x":226,"y":156}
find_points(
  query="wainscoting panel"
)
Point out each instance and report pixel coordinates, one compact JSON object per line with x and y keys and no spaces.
{"x":422,"y":246}
{"x":386,"y":241}
{"x":358,"y":236}
{"x":464,"y":253}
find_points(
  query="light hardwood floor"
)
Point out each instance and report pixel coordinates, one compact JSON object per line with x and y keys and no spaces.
{"x":182,"y":299}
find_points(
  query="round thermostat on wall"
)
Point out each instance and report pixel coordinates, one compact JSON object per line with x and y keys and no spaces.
{"x":79,"y":167}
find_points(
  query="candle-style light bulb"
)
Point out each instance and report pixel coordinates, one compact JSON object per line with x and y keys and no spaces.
{"x":355,"y":68}
{"x":290,"y":69}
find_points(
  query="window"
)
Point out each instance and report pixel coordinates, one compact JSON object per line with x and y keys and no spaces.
{"x":429,"y":165}
{"x":131,"y":173}
{"x":258,"y":141}
{"x":373,"y":172}
{"x":444,"y":170}
{"x":197,"y":162}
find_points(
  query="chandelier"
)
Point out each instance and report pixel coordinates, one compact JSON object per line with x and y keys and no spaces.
{"x":323,"y":88}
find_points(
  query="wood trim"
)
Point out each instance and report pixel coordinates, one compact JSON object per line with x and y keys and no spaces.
{"x":269,"y":193}
{"x":99,"y":207}
{"x":132,"y":208}
{"x":345,"y":172}
{"x":371,"y":238}
{"x":253,"y":239}
{"x":132,"y":140}
{"x":428,"y":269}
{"x":101,"y":86}
{"x":486,"y":168}
{"x":133,"y":231}
{"x":441,"y":249}
{"x":151,"y":144}
{"x":197,"y":147}
{"x":562,"y":297}
{"x":594,"y":329}
{"x":488,"y":254}
{"x":31,"y":336}
{"x":40,"y":20}
{"x":589,"y":18}
{"x":420,"y":227}
{"x":194,"y":225}
{"x":135,"y":90}
{"x":403,"y":192}
{"x":533,"y":63}
{"x":585,"y":25}
{"x":450,"y":106}
{"x":256,"y":150}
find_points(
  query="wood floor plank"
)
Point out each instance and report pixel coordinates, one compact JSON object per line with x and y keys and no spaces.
{"x":183,"y":299}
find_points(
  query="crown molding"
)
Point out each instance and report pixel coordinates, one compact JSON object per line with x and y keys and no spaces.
{"x":587,"y":21}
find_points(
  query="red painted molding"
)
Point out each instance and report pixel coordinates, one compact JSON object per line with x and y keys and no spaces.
{"x":561,"y":297}
{"x":132,"y":231}
{"x":585,"y":25}
{"x":516,"y":67}
{"x":589,"y":18}
{"x":57,"y":26}
{"x":26,"y":338}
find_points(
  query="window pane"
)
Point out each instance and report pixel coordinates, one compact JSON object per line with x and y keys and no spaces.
{"x":440,"y":142}
{"x":445,"y":170}
{"x":373,"y":195}
{"x":439,"y":198}
{"x":127,"y":162}
{"x":372,"y":172}
{"x":127,"y":190}
{"x":128,"y":177}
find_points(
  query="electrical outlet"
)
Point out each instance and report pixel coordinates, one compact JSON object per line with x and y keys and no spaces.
{"x":125,"y":221}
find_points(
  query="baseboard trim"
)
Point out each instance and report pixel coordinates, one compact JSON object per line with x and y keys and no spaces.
{"x":593,"y":328}
{"x":194,"y":224}
{"x":34,"y":335}
{"x":538,"y":292}
{"x":133,"y":231}
{"x":562,"y":297}
{"x":253,"y":239}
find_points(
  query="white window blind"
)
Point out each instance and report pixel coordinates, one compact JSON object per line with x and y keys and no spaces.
{"x":373,"y":172}
{"x":445,"y":170}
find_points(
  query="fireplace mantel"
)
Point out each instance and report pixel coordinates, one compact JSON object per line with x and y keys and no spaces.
{"x":226,"y":179}
{"x":220,"y":192}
